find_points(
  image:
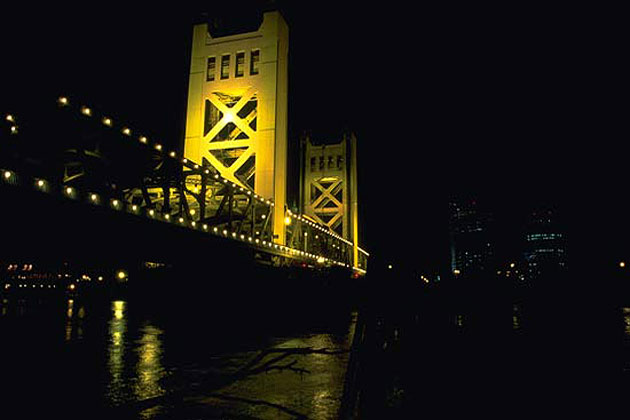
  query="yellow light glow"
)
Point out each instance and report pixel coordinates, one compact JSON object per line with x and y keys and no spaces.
{"x":172,"y":154}
{"x":287,"y":220}
{"x":86,"y":111}
{"x":143,"y":139}
{"x":40,"y":183}
{"x":151,"y":212}
{"x":107,"y":121}
{"x":512,"y":265}
{"x":158,"y":147}
{"x":126,"y":131}
{"x":69,"y":190}
{"x":228,"y":117}
{"x":94,"y":197}
{"x":63,"y":100}
{"x":390,"y":266}
{"x":72,"y":287}
{"x":622,"y":264}
{"x":192,"y":211}
{"x":13,"y":129}
{"x":10,"y":118}
{"x":134,"y":207}
{"x":7,"y":174}
{"x":167,"y":216}
{"x":115,"y":203}
{"x":456,"y":271}
{"x":121,"y":275}
{"x":119,"y":307}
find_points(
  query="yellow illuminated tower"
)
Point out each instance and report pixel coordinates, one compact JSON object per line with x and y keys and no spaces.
{"x":328,"y":187}
{"x":237,"y":108}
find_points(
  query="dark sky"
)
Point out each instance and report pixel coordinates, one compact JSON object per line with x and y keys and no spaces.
{"x":448,"y":101}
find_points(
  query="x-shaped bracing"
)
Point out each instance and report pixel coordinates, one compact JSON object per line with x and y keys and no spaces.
{"x":230,"y":115}
{"x":327,"y":193}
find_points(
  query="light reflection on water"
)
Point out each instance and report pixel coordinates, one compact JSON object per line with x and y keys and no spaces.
{"x":626,"y":322}
{"x":135,"y":366}
{"x":516,"y":317}
{"x":134,"y":363}
{"x":116,"y":350}
{"x":74,"y":321}
{"x":149,"y":369}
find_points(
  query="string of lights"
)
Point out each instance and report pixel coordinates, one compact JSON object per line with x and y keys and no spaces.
{"x":11,"y":177}
{"x":63,"y":101}
{"x":115,"y":204}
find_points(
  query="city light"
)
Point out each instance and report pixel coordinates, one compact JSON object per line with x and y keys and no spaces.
{"x":622,"y":264}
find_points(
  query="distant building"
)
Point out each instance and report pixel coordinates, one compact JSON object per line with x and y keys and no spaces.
{"x":470,"y":237}
{"x":545,"y":244}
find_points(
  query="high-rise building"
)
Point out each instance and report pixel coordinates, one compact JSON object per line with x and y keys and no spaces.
{"x":545,"y":244}
{"x":470,"y":237}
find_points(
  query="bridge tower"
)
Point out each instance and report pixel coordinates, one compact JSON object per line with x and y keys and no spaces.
{"x":328,"y":187}
{"x":237,"y":108}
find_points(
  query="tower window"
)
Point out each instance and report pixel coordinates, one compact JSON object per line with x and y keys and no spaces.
{"x":240,"y":64}
{"x":225,"y":66}
{"x":253,"y":64}
{"x":212,"y":63}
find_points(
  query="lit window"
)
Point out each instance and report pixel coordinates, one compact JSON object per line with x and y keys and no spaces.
{"x":240,"y":64}
{"x":225,"y":66}
{"x":253,"y":64}
{"x":212,"y":64}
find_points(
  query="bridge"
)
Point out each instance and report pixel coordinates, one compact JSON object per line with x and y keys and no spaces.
{"x":75,"y":176}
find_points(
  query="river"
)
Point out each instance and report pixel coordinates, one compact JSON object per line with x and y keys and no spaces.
{"x":99,"y":358}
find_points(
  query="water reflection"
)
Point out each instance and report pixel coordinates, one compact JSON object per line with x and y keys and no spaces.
{"x":74,"y":321}
{"x":459,"y":320}
{"x":69,"y":324}
{"x":116,"y":352}
{"x":149,"y":369}
{"x":135,"y":359}
{"x":516,"y":317}
{"x":626,"y":321}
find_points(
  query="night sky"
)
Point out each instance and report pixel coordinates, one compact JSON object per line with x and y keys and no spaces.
{"x":449,"y":101}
